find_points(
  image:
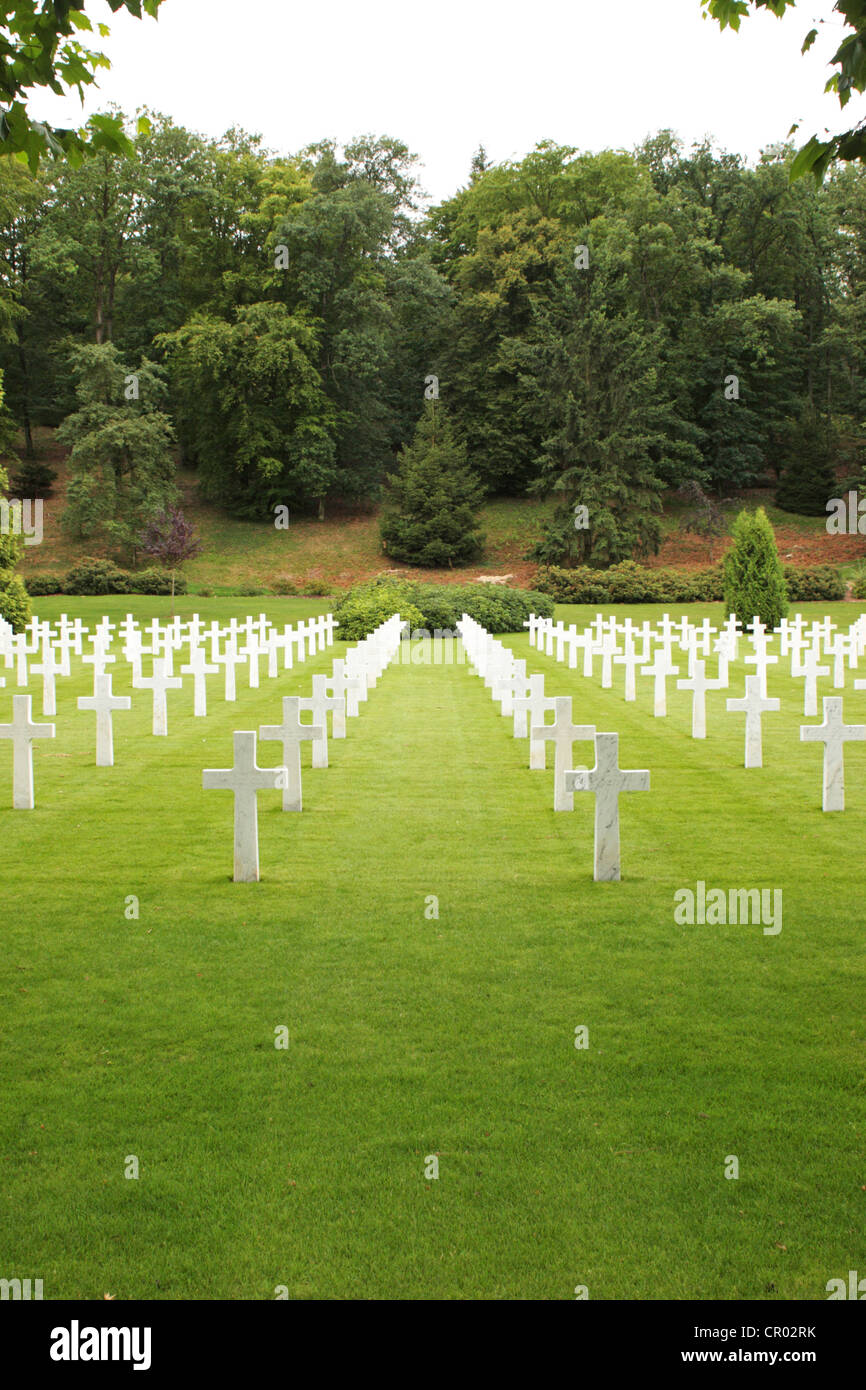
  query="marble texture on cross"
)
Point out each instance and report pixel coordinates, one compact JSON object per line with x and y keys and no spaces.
{"x":199,"y":668}
{"x":159,"y":683}
{"x":342,"y":684}
{"x":563,"y":734}
{"x":22,"y":731}
{"x":760,"y":658}
{"x":103,"y":704}
{"x":699,"y":684}
{"x":49,"y":669}
{"x":318,"y":705}
{"x":291,"y":734}
{"x":834,"y":734}
{"x":607,"y":780}
{"x":660,"y":668}
{"x":811,"y":670}
{"x":754,"y":705}
{"x":246,"y":779}
{"x":528,"y":710}
{"x":322,"y":684}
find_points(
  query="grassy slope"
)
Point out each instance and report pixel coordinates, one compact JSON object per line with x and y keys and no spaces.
{"x":412,"y":1036}
{"x":344,"y":548}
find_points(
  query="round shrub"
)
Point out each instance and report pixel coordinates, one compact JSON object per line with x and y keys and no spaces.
{"x":814,"y":584}
{"x":95,"y":577}
{"x":38,"y":585}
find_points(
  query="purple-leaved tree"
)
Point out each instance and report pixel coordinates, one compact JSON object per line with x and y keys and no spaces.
{"x":171,"y":540}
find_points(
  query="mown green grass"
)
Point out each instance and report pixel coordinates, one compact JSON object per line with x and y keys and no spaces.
{"x":411,"y":1035}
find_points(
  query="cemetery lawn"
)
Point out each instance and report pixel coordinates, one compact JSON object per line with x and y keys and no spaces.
{"x":411,"y":1035}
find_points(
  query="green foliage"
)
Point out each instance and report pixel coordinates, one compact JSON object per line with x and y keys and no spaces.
{"x":814,"y":584}
{"x":629,"y":582}
{"x":39,"y":48}
{"x":859,"y":585}
{"x":431,"y":606}
{"x":431,"y":516}
{"x":754,"y":581}
{"x":121,"y":462}
{"x":96,"y":576}
{"x":14,"y":601}
{"x":39,"y":585}
{"x":850,"y":58}
{"x":252,"y":414}
{"x":808,"y":481}
{"x":33,"y":478}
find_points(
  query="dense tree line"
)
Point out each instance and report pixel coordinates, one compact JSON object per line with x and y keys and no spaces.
{"x":604,"y":327}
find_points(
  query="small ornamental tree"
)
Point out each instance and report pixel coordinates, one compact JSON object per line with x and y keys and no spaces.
{"x":171,"y":540}
{"x":431,"y":517}
{"x":754,"y":580}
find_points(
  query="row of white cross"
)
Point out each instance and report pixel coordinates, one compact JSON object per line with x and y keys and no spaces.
{"x":649,"y":649}
{"x":207,"y":649}
{"x":59,"y":644}
{"x":523,"y":698}
{"x":246,"y":779}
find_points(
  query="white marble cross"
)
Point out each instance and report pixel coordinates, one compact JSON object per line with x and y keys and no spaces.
{"x":22,"y":733}
{"x":343,"y":685}
{"x":231,"y":658}
{"x":753,"y":705}
{"x":607,"y":780}
{"x":761,"y":659}
{"x":291,"y":733}
{"x":660,"y":669}
{"x":630,"y":659}
{"x":322,"y":702}
{"x":199,"y":668}
{"x":834,"y":734}
{"x":699,"y":684}
{"x":245,"y":779}
{"x":318,"y":705}
{"x":49,"y":669}
{"x":811,"y":670}
{"x":103,"y":703}
{"x":535,"y":706}
{"x":563,"y":734}
{"x":160,"y":683}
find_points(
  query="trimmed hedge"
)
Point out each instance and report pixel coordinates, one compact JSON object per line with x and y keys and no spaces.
{"x":632,"y":583}
{"x":431,"y":606}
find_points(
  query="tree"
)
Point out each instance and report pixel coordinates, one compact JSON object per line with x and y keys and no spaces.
{"x":171,"y":540}
{"x":251,"y":410}
{"x":38,"y":49}
{"x":431,"y":515}
{"x":850,"y":58}
{"x":754,"y":581}
{"x":14,"y":600}
{"x":121,"y":461}
{"x":808,"y":482}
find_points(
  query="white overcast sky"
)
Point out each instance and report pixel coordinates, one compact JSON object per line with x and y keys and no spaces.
{"x":445,"y":76}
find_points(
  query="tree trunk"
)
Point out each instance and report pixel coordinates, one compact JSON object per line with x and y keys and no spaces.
{"x":172,"y":595}
{"x":321,"y":509}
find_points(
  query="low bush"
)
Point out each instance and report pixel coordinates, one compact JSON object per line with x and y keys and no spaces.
{"x":818,"y":582}
{"x":95,"y":577}
{"x":38,"y":585}
{"x":431,"y":606}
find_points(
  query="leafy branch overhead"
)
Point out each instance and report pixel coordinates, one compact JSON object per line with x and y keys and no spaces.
{"x":850,"y":58}
{"x":40,"y":48}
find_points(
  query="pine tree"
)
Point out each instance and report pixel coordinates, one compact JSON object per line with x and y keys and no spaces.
{"x":808,"y":482}
{"x":431,"y":516}
{"x":754,"y":580}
